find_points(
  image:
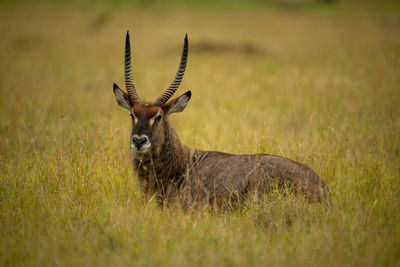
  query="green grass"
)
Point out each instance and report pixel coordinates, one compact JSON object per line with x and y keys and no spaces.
{"x":323,"y":90}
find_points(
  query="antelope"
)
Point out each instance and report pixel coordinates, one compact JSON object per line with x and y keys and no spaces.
{"x":171,"y":171}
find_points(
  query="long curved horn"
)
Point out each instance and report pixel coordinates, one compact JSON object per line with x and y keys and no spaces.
{"x":130,"y":87}
{"x":163,"y":98}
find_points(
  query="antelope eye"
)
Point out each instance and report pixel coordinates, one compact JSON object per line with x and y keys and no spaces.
{"x":158,"y":118}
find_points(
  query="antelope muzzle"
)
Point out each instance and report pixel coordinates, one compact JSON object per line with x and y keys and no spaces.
{"x":140,"y":142}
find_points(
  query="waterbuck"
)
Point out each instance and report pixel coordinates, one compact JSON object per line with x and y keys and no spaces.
{"x":171,"y":171}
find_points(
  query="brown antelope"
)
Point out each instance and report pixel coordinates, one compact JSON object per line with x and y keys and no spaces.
{"x":170,"y":171}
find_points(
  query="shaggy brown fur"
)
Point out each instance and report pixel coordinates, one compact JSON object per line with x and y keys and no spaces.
{"x":171,"y":172}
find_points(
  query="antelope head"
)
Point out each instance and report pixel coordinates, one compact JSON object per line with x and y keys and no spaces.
{"x":149,"y":119}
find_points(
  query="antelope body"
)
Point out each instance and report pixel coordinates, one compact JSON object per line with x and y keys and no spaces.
{"x":172,"y":171}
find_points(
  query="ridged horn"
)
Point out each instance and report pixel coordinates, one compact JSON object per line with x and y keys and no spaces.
{"x":130,"y":87}
{"x":163,"y":98}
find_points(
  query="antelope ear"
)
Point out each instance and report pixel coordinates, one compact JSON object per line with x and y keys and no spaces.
{"x":178,"y":104}
{"x":122,"y":98}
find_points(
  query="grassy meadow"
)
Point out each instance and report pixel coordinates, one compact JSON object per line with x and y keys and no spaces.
{"x":318,"y":84}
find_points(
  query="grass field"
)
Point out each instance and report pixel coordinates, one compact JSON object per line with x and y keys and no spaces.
{"x":320,"y":85}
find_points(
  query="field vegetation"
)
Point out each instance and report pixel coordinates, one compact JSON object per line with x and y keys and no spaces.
{"x":318,"y":83}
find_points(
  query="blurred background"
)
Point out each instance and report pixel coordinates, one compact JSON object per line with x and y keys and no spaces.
{"x":65,"y":55}
{"x":260,"y":69}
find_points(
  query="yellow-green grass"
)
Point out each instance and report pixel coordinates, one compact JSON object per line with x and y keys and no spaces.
{"x":323,"y":90}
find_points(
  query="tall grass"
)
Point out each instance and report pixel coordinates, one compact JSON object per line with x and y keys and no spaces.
{"x":320,"y":90}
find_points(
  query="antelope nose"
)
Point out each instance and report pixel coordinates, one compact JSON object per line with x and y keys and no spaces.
{"x":139,"y":141}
